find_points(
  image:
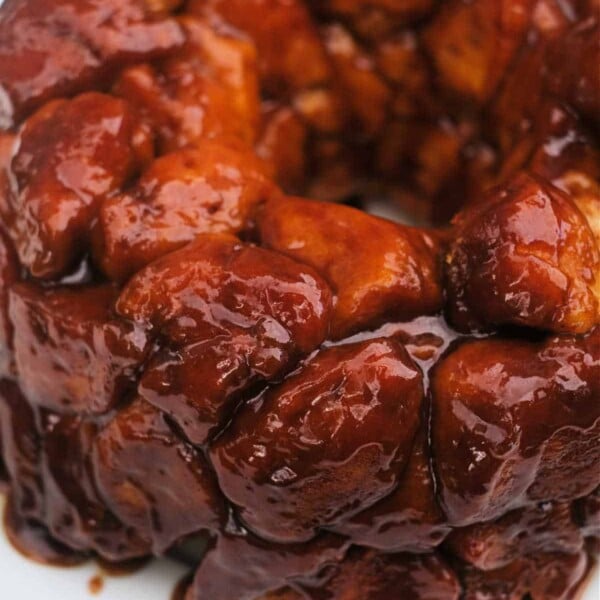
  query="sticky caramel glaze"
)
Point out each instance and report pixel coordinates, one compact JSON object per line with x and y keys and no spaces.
{"x":409,"y":519}
{"x":138,"y":461}
{"x":546,"y":528}
{"x":68,"y":157}
{"x":524,"y":255}
{"x":366,"y":574}
{"x":278,"y":63}
{"x":9,"y":272}
{"x":244,"y":566}
{"x":541,"y":577}
{"x":378,"y":270}
{"x":298,"y":450}
{"x":73,"y":354}
{"x":33,"y":541}
{"x":52,"y":487}
{"x":96,"y":585}
{"x":75,"y":511}
{"x":515,"y":422}
{"x":54,"y":48}
{"x":208,"y":90}
{"x":23,"y":515}
{"x":213,"y":188}
{"x":425,"y":338}
{"x":305,"y":113}
{"x":232,"y":315}
{"x":21,"y":451}
{"x":215,"y":373}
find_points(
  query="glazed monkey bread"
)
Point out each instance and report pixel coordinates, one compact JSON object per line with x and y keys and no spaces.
{"x":347,"y":408}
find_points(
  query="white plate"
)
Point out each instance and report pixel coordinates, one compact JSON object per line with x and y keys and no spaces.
{"x":21,"y":579}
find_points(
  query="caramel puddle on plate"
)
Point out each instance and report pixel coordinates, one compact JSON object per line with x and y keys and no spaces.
{"x":96,"y":585}
{"x":107,"y":569}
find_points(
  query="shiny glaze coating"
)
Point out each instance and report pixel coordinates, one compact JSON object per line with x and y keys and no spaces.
{"x":72,"y":353}
{"x":378,"y":270}
{"x":55,"y":512}
{"x":209,"y":90}
{"x":32,"y":540}
{"x":180,"y":320}
{"x":410,"y":518}
{"x":68,"y":157}
{"x":55,"y":47}
{"x":233,"y":315}
{"x":367,"y":574}
{"x":540,"y":577}
{"x":303,"y":107}
{"x":21,"y":450}
{"x":212,"y":188}
{"x":9,"y":271}
{"x":525,"y":255}
{"x":247,"y":567}
{"x":75,"y":513}
{"x":543,"y":529}
{"x":138,"y":461}
{"x":515,"y":422}
{"x":297,"y":449}
{"x":231,"y":278}
{"x":561,"y":150}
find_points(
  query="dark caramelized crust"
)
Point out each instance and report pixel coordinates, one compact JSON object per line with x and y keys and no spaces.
{"x":335,"y":406}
